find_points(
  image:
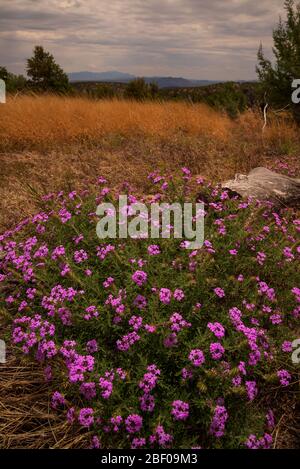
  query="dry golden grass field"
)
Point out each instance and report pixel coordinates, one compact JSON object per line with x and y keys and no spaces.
{"x":51,"y":143}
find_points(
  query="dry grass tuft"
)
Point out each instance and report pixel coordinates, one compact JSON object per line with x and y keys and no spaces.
{"x":26,"y":421}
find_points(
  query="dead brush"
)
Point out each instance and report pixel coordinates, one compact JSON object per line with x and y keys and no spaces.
{"x":26,"y":420}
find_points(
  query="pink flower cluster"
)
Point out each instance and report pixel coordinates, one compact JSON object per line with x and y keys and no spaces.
{"x":147,"y":384}
{"x":139,"y":277}
{"x":197,"y":358}
{"x":178,"y":323}
{"x":180,"y":410}
{"x":220,"y":417}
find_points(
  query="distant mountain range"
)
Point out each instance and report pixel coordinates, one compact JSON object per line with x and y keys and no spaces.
{"x":100,"y":76}
{"x":115,"y":76}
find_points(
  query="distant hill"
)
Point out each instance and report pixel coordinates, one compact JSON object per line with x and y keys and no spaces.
{"x":100,"y":76}
{"x":115,"y":76}
{"x":173,"y":82}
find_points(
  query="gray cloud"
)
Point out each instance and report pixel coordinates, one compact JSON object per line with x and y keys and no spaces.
{"x":215,"y":39}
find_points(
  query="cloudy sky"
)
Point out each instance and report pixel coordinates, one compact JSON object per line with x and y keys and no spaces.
{"x":204,"y":39}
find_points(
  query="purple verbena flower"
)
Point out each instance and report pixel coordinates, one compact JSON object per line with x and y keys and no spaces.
{"x":180,"y":410}
{"x":133,"y":423}
{"x":197,"y":358}
{"x":86,"y":417}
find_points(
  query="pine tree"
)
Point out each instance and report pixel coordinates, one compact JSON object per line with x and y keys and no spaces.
{"x":45,"y":73}
{"x":276,"y":80}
